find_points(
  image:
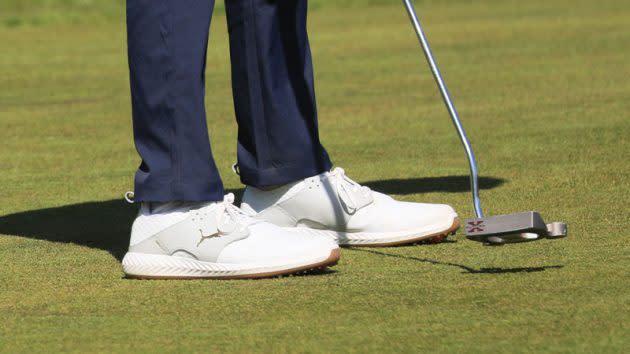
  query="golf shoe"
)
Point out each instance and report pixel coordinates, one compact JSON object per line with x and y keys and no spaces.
{"x":332,"y":205}
{"x":218,"y":240}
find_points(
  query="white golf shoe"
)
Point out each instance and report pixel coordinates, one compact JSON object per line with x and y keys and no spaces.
{"x":333,"y":205}
{"x":217,"y":240}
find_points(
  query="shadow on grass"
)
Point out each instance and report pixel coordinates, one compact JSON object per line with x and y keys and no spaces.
{"x":467,"y":269}
{"x":445,"y":184}
{"x":106,"y":224}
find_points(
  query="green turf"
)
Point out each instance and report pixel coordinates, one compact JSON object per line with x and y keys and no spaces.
{"x":543,"y":90}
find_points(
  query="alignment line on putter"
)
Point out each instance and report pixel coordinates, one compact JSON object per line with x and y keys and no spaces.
{"x":495,"y":230}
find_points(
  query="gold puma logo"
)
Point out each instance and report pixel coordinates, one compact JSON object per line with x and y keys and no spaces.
{"x":205,"y":237}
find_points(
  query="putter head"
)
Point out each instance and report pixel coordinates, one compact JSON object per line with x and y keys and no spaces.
{"x":512,"y":228}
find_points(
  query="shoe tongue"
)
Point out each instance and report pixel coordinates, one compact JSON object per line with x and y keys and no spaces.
{"x":353,"y":200}
{"x":352,"y":195}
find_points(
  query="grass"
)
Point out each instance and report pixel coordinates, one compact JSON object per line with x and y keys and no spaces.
{"x":544,"y":93}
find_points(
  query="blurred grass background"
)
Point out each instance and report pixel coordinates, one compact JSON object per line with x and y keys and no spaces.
{"x":542,"y":87}
{"x":15,"y":13}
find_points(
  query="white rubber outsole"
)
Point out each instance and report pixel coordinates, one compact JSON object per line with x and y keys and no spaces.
{"x":434,"y":233}
{"x":150,"y":266}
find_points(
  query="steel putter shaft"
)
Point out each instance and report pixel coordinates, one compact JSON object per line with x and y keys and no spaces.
{"x":495,"y":230}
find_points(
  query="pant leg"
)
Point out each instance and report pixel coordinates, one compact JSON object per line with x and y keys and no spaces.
{"x":167,"y":41}
{"x":274,"y":97}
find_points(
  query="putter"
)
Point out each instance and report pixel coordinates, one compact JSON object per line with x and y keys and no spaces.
{"x":495,"y":230}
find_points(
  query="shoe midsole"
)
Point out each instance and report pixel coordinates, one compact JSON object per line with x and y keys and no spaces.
{"x":142,"y":264}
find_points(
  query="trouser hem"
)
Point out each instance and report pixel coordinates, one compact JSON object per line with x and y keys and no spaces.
{"x":180,"y":192}
{"x":280,"y":175}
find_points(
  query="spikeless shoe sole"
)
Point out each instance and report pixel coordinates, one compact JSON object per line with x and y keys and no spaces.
{"x":148,"y":266}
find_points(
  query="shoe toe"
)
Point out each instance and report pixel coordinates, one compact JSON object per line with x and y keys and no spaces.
{"x":418,"y":215}
{"x":394,"y":216}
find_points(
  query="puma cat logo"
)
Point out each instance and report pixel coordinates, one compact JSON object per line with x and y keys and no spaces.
{"x":205,"y":237}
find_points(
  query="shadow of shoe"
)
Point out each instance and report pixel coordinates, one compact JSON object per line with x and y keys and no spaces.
{"x":103,"y":225}
{"x":315,"y":272}
{"x":447,"y":184}
{"x":466,"y":269}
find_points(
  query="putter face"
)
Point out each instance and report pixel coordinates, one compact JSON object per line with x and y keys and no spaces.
{"x":485,"y":229}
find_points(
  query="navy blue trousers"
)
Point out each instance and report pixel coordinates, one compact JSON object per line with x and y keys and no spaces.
{"x":272,"y":83}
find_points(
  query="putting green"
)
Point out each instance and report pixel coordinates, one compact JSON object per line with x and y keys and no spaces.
{"x":542,"y":88}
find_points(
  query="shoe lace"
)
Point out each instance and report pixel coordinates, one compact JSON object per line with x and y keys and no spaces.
{"x":231,"y":217}
{"x":353,"y":194}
